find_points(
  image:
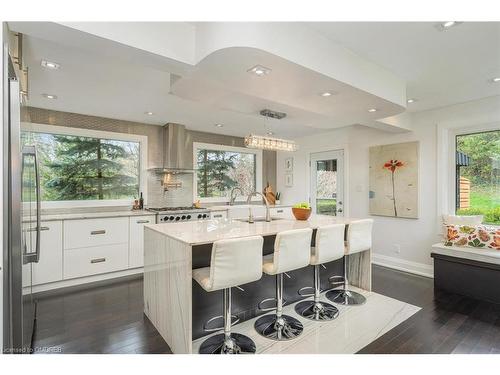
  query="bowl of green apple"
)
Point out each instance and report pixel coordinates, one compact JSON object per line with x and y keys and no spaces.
{"x":301,"y":211}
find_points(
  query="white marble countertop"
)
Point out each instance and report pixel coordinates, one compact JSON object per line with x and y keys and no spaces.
{"x":92,"y":215}
{"x":208,"y":231}
{"x":236,"y":206}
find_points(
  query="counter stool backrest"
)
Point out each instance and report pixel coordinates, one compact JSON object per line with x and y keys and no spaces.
{"x":329,"y":244}
{"x":359,"y":236}
{"x":236,"y":262}
{"x":292,"y":250}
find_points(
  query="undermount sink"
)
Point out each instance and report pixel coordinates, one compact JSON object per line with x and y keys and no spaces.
{"x":255,"y":219}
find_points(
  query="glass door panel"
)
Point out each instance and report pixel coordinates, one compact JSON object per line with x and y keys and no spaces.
{"x":327,"y":182}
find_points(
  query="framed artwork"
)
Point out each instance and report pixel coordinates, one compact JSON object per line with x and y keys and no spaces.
{"x":394,"y":180}
{"x":289,"y":179}
{"x":289,"y":164}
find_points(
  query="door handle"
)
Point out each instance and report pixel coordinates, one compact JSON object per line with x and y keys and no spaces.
{"x":97,"y":260}
{"x":101,"y":231}
{"x":142,"y":221}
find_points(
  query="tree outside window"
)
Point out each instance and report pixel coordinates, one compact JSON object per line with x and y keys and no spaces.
{"x":478,"y":175}
{"x":85,"y":168}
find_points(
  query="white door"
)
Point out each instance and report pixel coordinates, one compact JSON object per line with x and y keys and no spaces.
{"x":327,"y":183}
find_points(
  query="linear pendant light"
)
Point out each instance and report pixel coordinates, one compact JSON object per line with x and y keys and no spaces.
{"x":270,"y":143}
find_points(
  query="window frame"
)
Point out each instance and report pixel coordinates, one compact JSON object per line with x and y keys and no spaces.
{"x":217,"y":147}
{"x":82,"y":132}
{"x":451,"y":168}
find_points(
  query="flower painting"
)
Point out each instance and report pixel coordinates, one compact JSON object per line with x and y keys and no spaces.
{"x":394,"y":180}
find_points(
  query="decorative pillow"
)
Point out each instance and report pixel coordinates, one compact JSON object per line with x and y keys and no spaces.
{"x":478,"y":236}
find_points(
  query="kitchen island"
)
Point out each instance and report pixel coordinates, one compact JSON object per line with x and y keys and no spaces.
{"x":179,"y":308}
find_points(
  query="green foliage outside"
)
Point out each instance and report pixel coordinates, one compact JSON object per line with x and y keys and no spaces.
{"x":483,"y":173}
{"x":326,"y":206}
{"x":84,"y":168}
{"x":219,"y":171}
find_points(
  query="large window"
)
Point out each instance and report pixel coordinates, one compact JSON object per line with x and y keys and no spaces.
{"x":478,"y":175}
{"x":76,"y":167}
{"x":222,"y":168}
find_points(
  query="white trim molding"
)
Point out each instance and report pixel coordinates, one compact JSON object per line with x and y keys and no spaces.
{"x":65,"y":130}
{"x":420,"y":269}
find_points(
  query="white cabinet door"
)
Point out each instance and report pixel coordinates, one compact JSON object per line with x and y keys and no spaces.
{"x":136,"y":242}
{"x":281,"y":212}
{"x":95,"y":232}
{"x":50,"y":266}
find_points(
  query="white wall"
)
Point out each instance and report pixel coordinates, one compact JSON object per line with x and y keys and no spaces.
{"x":415,"y":236}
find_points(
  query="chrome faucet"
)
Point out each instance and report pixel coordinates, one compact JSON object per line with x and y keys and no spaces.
{"x":233,"y":196}
{"x":249,"y":200}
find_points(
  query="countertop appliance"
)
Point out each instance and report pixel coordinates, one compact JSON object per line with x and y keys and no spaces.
{"x":21,"y":247}
{"x":175,"y":214}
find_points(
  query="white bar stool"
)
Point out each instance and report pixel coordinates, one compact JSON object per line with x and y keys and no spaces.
{"x":292,"y":250}
{"x":233,"y":262}
{"x":329,"y":246}
{"x":359,"y":238}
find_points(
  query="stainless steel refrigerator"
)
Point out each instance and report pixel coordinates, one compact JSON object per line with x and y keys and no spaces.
{"x":21,"y":219}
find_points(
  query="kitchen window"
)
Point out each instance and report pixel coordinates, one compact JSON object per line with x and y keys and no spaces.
{"x":477,"y":176}
{"x":219,"y":169}
{"x":86,"y":167}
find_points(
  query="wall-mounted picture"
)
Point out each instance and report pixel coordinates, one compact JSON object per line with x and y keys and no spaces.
{"x":289,"y":180}
{"x":289,"y":164}
{"x":394,"y":180}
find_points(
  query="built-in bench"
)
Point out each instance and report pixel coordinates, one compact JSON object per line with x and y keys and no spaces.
{"x":467,"y":271}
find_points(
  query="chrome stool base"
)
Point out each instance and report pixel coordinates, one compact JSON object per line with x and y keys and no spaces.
{"x":316,"y":310}
{"x":236,"y":344}
{"x":277,"y":328}
{"x":345,"y":297}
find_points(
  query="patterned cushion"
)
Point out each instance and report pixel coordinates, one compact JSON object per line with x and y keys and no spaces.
{"x":473,"y":236}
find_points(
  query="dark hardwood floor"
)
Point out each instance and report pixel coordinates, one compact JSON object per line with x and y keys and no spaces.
{"x":109,"y":319}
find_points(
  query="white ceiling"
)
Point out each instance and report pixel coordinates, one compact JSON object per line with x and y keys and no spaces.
{"x":441,"y":67}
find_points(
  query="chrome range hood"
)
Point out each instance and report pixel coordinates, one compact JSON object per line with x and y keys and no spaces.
{"x":175,"y":151}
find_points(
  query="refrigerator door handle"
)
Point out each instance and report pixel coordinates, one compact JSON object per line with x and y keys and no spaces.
{"x":35,"y":257}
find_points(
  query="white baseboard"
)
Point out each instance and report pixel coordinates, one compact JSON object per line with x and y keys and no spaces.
{"x":85,"y":280}
{"x":420,"y":269}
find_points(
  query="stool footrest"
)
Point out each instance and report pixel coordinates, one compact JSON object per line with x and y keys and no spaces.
{"x":261,"y":308}
{"x":302,"y":293}
{"x":336,"y":280}
{"x":234,"y":320}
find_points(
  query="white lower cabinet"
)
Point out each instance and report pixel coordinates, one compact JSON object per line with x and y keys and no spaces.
{"x":89,"y":261}
{"x":50,"y":265}
{"x":136,"y":240}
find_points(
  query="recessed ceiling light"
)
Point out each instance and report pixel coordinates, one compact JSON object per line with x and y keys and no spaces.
{"x":411,"y":100}
{"x":219,"y":125}
{"x":270,"y":133}
{"x":259,"y":70}
{"x":326,"y":94}
{"x":447,"y":25}
{"x":373,"y":110}
{"x":49,"y":96}
{"x":50,"y":64}
{"x":496,"y":79}
{"x":149,"y":113}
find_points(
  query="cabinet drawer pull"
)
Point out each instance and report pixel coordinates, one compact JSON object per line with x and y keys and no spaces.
{"x":142,"y":221}
{"x":98,"y":260}
{"x":218,"y":215}
{"x":34,"y":229}
{"x":94,"y":232}
{"x":279,"y":211}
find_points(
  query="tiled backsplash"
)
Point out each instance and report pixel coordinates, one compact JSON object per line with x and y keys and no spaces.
{"x":182,"y":196}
